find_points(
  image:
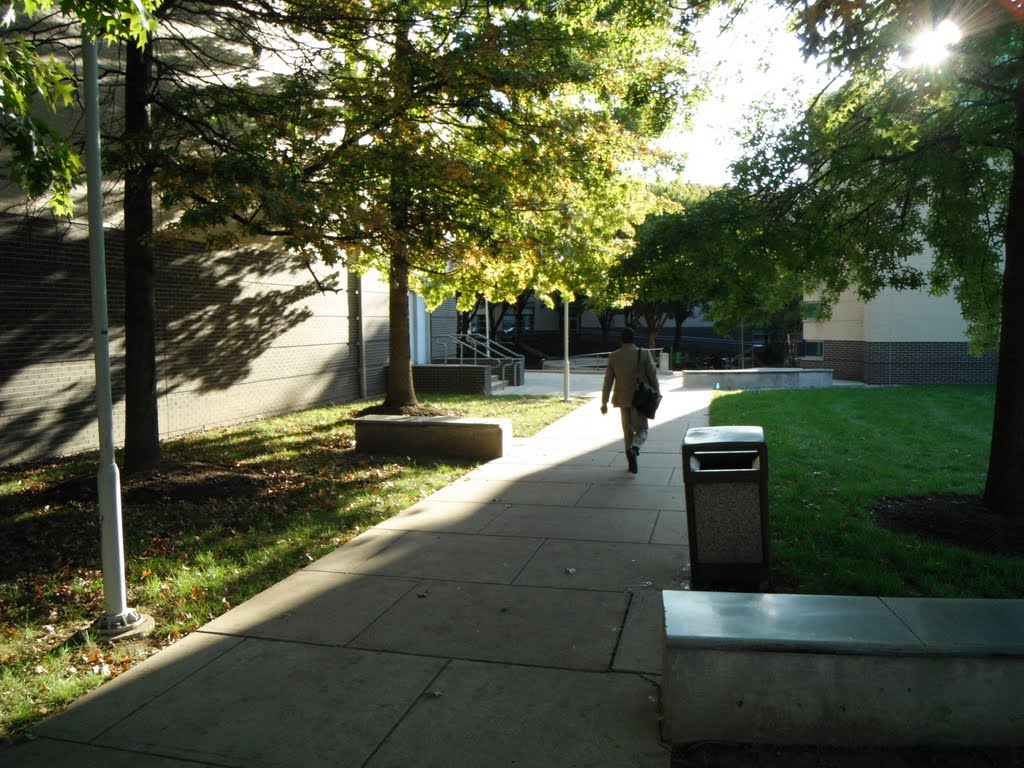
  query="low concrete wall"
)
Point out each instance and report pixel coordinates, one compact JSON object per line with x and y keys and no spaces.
{"x":440,"y":436}
{"x":758,"y":378}
{"x":842,"y":671}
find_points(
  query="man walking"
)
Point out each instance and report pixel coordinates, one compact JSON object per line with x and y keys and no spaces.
{"x":627,"y":366}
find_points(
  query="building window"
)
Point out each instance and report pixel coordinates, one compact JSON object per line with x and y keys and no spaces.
{"x":812,"y":349}
{"x":508,"y":323}
{"x":811,"y":310}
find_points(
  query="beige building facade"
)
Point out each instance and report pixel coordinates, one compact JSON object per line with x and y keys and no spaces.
{"x":898,"y":337}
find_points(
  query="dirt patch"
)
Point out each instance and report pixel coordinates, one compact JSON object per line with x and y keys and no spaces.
{"x":192,"y":481}
{"x":962,"y":521}
{"x":172,"y":481}
{"x":407,"y":410}
{"x":56,"y":528}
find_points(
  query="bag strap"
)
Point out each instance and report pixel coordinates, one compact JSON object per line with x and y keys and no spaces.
{"x":636,"y":382}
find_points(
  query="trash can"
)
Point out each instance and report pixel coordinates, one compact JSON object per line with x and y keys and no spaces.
{"x":725,"y":474}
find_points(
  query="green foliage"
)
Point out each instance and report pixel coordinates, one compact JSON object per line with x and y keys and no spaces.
{"x":33,"y":85}
{"x":834,"y":454}
{"x":897,"y":161}
{"x":481,"y":146}
{"x":716,"y":250}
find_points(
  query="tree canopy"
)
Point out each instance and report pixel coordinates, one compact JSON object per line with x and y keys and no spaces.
{"x":470,"y":148}
{"x":898,"y":158}
{"x":459,"y":148}
{"x":486,"y":139}
{"x":717,"y":249}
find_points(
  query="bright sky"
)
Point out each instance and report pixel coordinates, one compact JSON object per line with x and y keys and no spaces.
{"x":755,"y":59}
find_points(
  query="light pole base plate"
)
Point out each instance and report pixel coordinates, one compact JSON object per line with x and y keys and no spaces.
{"x":130,"y":625}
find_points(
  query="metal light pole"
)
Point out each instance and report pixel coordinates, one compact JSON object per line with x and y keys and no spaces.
{"x":487,"y":327}
{"x":565,"y":364}
{"x":118,"y":619}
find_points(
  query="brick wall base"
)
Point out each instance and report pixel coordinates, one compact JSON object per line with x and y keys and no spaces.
{"x":906,"y":362}
{"x":451,"y":379}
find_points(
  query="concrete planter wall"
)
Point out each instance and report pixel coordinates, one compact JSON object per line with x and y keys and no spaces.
{"x":758,"y":378}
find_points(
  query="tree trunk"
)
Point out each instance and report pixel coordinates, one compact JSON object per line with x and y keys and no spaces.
{"x":522,"y":300}
{"x":142,"y":427}
{"x":605,"y":320}
{"x":1004,"y":487}
{"x":655,"y":321}
{"x":401,"y":392}
{"x":497,"y":323}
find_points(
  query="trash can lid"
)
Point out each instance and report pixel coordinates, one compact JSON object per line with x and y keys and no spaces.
{"x":718,"y":435}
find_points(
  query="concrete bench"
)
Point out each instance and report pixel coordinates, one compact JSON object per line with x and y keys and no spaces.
{"x":442,"y":436}
{"x":842,"y":671}
{"x":758,"y":378}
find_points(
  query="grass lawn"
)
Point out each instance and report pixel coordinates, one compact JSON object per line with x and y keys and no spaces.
{"x":835,"y":454}
{"x":229,"y":513}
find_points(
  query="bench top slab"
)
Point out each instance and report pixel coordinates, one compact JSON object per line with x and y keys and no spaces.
{"x":843,"y":624}
{"x":800,"y":623}
{"x":963,"y":626}
{"x":436,"y":420}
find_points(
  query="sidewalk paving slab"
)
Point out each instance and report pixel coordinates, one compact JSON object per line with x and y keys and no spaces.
{"x":634,"y":497}
{"x":47,"y":753}
{"x":640,"y":649}
{"x":316,"y":607}
{"x":605,"y":565}
{"x":671,"y":528}
{"x":563,"y":628}
{"x":502,"y":715}
{"x":593,"y":523}
{"x":104,"y":707}
{"x":600,"y":476}
{"x":453,"y":557}
{"x":444,"y":516}
{"x":280,"y":705}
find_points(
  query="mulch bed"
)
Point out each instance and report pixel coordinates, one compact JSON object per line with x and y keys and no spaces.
{"x":962,"y":521}
{"x":406,"y":410}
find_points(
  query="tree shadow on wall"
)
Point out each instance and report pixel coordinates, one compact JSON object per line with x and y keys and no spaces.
{"x":217,"y":315}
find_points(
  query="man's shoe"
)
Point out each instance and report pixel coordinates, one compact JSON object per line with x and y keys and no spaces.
{"x":631,"y":455}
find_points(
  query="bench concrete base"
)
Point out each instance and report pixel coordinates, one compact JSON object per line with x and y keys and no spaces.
{"x":842,"y":671}
{"x":758,"y":378}
{"x":441,"y":436}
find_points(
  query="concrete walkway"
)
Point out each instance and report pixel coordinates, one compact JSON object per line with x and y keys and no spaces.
{"x":512,"y":618}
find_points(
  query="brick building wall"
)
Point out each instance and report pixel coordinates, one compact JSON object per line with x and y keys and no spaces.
{"x":444,"y":321}
{"x":451,"y":379}
{"x":239,"y":336}
{"x":845,"y":358}
{"x":376,"y":334}
{"x":915,"y":362}
{"x":927,"y":363}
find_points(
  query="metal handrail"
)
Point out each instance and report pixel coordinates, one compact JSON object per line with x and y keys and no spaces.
{"x":601,"y":357}
{"x":482,"y":351}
